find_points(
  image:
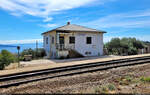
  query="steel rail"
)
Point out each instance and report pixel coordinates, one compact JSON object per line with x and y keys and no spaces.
{"x":80,"y":72}
{"x":67,"y":68}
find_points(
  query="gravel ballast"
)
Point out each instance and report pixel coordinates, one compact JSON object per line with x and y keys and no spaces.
{"x":80,"y":83}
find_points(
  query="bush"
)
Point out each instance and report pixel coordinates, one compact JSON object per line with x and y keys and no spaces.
{"x":132,"y":51}
{"x":40,"y":52}
{"x":124,"y":46}
{"x":111,"y":87}
{"x":36,"y":53}
{"x":97,"y":90}
{"x":145,"y":79}
{"x":6,"y":58}
{"x":28,"y":52}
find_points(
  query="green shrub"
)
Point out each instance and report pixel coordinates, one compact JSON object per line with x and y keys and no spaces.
{"x":128,"y":78}
{"x":145,"y":79}
{"x":104,"y":89}
{"x":111,"y":87}
{"x":97,"y":90}
{"x":36,"y":53}
{"x":124,"y":46}
{"x":132,"y":51}
{"x":40,"y":52}
{"x":28,"y":52}
{"x":6,"y":58}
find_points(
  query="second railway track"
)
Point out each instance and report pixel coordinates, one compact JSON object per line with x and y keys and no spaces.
{"x":21,"y":78}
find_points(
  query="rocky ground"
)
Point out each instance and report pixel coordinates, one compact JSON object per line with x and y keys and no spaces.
{"x":132,"y":79}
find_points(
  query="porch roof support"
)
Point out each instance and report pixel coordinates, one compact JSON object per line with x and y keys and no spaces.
{"x":57,"y":38}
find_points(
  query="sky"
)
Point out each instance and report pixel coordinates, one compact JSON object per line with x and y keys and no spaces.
{"x":23,"y":21}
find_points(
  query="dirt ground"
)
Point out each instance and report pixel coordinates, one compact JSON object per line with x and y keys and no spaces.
{"x":130,"y":79}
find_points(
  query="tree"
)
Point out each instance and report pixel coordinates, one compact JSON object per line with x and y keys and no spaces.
{"x":6,"y":58}
{"x":113,"y":46}
{"x":128,"y":46}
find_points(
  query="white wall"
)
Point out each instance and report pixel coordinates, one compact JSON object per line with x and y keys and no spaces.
{"x":50,"y":48}
{"x":47,"y":46}
{"x":96,"y":48}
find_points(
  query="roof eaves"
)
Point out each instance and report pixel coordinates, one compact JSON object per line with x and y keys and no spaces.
{"x":52,"y":30}
{"x":81,"y":31}
{"x":91,"y":28}
{"x":48,"y":31}
{"x":95,"y":30}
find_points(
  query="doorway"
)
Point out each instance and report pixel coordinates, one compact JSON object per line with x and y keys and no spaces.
{"x":61,"y":40}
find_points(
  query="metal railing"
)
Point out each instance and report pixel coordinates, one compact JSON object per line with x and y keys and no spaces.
{"x":60,"y":46}
{"x":64,"y":47}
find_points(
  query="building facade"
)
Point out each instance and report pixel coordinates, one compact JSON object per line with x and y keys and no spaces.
{"x":73,"y":41}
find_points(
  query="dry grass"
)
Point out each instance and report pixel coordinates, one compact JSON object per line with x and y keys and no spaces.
{"x":12,"y":66}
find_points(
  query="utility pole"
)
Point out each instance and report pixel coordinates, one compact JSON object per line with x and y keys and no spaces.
{"x":36,"y":48}
{"x":18,"y":48}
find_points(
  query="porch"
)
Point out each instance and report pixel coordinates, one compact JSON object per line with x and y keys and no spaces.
{"x":65,"y":41}
{"x":65,"y":45}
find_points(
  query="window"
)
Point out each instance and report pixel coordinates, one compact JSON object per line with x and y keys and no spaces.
{"x":52,"y":40}
{"x":61,"y":40}
{"x":87,"y":53}
{"x":89,"y":40}
{"x":46,"y":40}
{"x":72,"y":40}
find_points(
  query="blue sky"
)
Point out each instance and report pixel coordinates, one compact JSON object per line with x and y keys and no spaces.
{"x":23,"y":21}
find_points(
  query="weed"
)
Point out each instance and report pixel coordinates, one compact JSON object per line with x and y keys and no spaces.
{"x":97,"y":90}
{"x":128,"y":78}
{"x":104,"y":89}
{"x":111,"y":87}
{"x":145,"y":79}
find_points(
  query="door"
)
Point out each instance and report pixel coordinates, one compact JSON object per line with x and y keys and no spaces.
{"x":61,"y":42}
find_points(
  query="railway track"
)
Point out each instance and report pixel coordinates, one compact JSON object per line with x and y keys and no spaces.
{"x":32,"y":76}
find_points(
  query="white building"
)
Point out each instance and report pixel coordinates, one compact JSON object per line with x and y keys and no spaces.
{"x":73,"y":41}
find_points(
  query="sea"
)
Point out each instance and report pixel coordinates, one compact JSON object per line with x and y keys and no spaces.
{"x":13,"y":47}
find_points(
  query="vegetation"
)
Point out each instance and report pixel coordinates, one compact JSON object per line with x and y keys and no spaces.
{"x":111,"y":87}
{"x":97,"y":90}
{"x":145,"y":79}
{"x":6,"y":58}
{"x":127,"y":46}
{"x":126,"y":80}
{"x":105,"y":88}
{"x":28,"y":52}
{"x":36,"y":53}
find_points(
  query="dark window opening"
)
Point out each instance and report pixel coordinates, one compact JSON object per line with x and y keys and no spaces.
{"x":87,"y":53}
{"x":52,"y":40}
{"x":46,"y":40}
{"x":89,"y":40}
{"x":72,"y":40}
{"x":61,"y":40}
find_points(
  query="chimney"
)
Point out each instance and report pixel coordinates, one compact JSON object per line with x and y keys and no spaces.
{"x":68,"y":23}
